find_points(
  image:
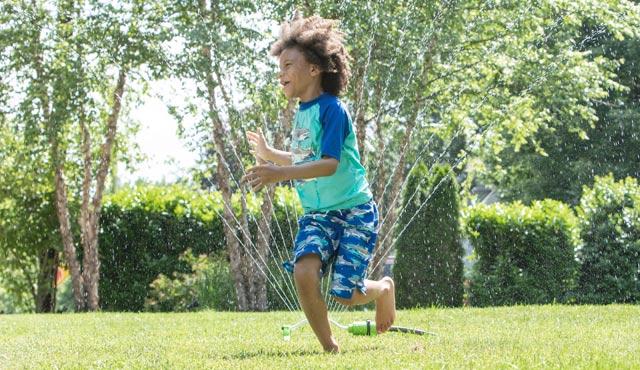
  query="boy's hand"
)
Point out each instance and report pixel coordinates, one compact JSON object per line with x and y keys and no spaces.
{"x":259,"y":147}
{"x":259,"y":176}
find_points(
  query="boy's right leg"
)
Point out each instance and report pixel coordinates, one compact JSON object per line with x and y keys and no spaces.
{"x":306,"y":273}
{"x":383,"y":293}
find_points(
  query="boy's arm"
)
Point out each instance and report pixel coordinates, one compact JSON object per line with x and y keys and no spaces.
{"x":279,"y":157}
{"x":259,"y":176}
{"x":264,"y":151}
{"x":326,"y":166}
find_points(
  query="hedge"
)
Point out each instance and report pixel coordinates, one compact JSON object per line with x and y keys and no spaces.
{"x":524,"y":255}
{"x":609,"y":255}
{"x":145,"y":230}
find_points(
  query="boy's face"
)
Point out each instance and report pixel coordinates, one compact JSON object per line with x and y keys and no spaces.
{"x":297,"y":75}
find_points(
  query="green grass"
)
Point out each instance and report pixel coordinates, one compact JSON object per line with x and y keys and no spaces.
{"x":506,"y":337}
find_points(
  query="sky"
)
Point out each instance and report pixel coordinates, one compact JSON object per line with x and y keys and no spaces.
{"x":167,"y":157}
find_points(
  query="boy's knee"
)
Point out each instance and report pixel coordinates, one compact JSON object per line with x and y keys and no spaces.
{"x":307,"y":269}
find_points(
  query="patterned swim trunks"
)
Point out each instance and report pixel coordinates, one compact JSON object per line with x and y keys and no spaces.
{"x":344,"y":239}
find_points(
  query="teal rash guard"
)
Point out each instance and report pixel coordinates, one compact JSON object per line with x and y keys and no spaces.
{"x":323,"y":128}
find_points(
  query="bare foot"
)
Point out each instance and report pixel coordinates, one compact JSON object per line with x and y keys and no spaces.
{"x":386,"y":306}
{"x":332,"y":347}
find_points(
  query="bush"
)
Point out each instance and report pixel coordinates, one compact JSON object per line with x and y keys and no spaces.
{"x":610,"y":232}
{"x":145,"y":230}
{"x":429,"y":268}
{"x":208,"y":285}
{"x":525,"y":255}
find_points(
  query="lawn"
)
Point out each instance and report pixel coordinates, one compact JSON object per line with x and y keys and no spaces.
{"x":507,"y":337}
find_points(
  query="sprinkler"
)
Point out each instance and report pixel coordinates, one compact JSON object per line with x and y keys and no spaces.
{"x":367,"y":328}
{"x":288,"y":329}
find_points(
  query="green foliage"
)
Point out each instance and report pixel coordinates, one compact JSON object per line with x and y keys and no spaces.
{"x":145,"y":230}
{"x":64,"y":297}
{"x":610,"y":232}
{"x":569,"y":156}
{"x":525,"y":255}
{"x":14,"y":302}
{"x":28,"y":223}
{"x":208,"y":285}
{"x":428,"y":268}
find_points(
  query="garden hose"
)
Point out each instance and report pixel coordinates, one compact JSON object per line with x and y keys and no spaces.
{"x":367,"y":328}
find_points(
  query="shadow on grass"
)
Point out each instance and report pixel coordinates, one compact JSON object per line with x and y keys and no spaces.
{"x":300,"y":352}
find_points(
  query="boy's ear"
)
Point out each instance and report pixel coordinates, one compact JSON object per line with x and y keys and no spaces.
{"x":315,"y":70}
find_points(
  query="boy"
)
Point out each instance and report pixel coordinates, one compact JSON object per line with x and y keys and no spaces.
{"x":340,"y":222}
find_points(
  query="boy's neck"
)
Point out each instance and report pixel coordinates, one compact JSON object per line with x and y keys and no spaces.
{"x":311,"y":93}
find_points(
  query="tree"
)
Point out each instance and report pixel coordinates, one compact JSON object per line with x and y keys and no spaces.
{"x":219,"y":57}
{"x":429,"y":269}
{"x":28,"y":228}
{"x":571,"y":158}
{"x":71,"y":62}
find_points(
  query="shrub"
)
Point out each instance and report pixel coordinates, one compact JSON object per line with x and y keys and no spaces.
{"x":525,"y":255}
{"x":208,"y":285}
{"x":145,"y":230}
{"x":610,"y":232}
{"x":429,"y":269}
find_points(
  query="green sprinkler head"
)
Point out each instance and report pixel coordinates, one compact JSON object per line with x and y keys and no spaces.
{"x":363,"y":328}
{"x":286,"y":332}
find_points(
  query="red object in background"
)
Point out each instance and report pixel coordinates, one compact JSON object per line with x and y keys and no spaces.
{"x":61,"y":275}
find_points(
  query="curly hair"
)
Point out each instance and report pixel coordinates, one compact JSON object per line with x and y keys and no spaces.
{"x":321,"y":43}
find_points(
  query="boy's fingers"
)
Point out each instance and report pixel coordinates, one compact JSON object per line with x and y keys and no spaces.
{"x":248,"y":177}
{"x":255,"y":184}
{"x":257,"y":187}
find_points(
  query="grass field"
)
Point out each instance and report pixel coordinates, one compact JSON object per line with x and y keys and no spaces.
{"x":507,"y":337}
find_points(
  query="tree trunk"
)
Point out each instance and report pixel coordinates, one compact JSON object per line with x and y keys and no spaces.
{"x":236,"y":255}
{"x":260,"y":279}
{"x":62,"y":210}
{"x":391,"y":213}
{"x":233,"y":244}
{"x":90,"y":212}
{"x":85,"y":278}
{"x":69,"y":248}
{"x":262,"y":245}
{"x":399,"y":173}
{"x":46,"y":291}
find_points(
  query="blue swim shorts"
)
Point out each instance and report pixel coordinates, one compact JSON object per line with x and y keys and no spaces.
{"x":344,"y":239}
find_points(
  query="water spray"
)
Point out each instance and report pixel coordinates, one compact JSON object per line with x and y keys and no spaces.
{"x":367,"y":328}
